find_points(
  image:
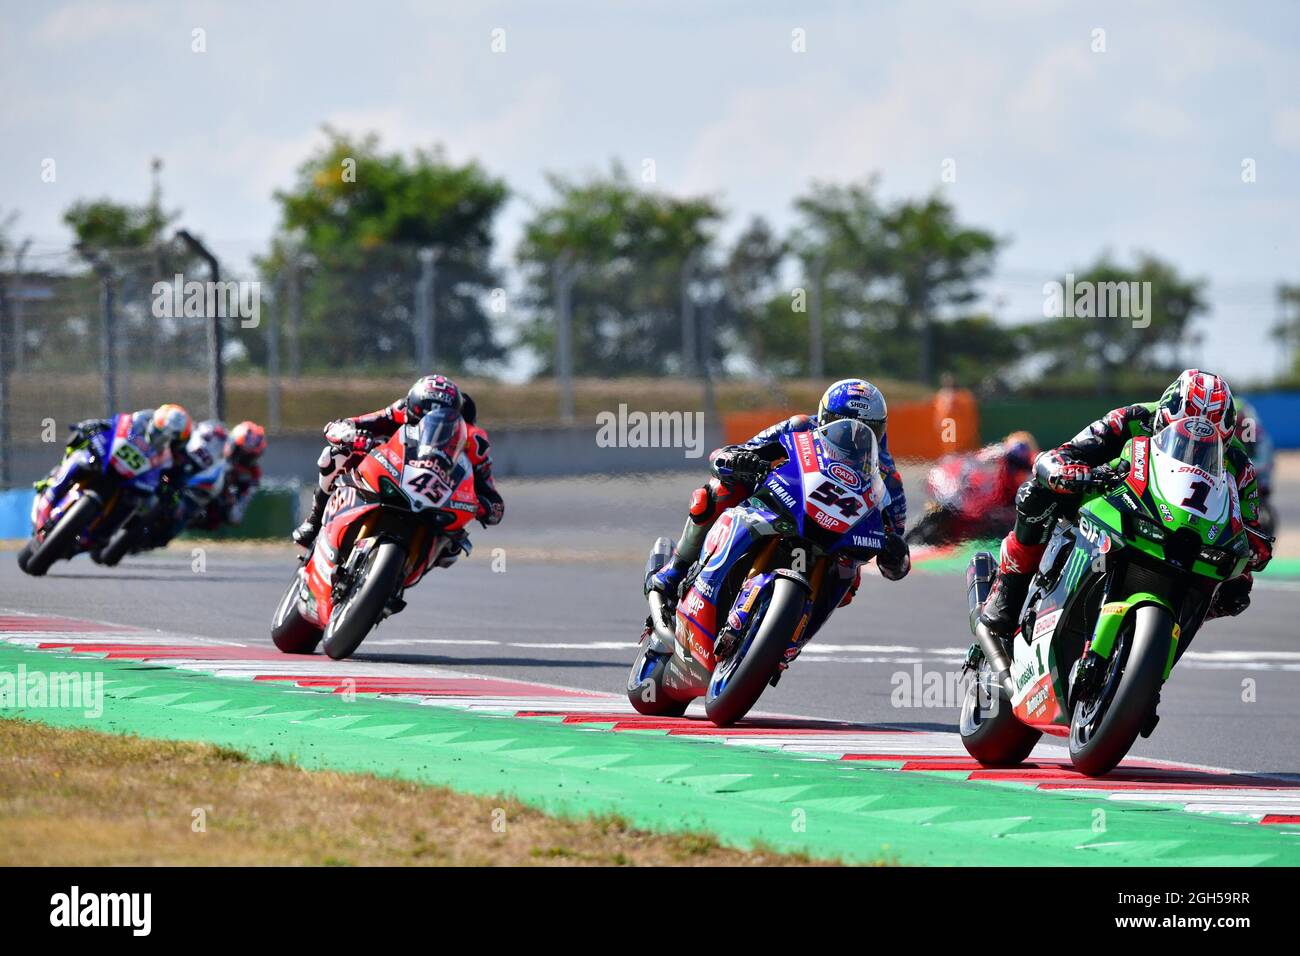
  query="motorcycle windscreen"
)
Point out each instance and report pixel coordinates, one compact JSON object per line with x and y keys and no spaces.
{"x":441,"y":432}
{"x":1194,"y":442}
{"x":851,"y":443}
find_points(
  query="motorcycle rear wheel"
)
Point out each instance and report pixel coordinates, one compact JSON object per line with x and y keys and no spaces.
{"x":118,"y":545}
{"x":772,"y":635}
{"x":361,"y":609}
{"x":931,"y":529}
{"x":62,"y":538}
{"x":989,"y":730}
{"x":645,"y":686}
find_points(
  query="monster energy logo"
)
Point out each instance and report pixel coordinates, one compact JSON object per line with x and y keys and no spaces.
{"x":1073,"y":570}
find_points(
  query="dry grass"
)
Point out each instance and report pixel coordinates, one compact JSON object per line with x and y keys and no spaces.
{"x":81,"y":798}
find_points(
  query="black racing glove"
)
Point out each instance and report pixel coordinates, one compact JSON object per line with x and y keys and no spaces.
{"x":739,"y":466}
{"x":491,"y":512}
{"x":1231,"y":598}
{"x":895,"y":558}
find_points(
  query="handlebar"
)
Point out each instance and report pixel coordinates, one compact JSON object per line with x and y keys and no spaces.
{"x":1104,"y":476}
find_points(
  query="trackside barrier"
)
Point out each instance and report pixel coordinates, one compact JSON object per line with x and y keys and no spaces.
{"x":1056,"y":420}
{"x":948,"y":422}
{"x":1280,"y":414}
{"x":16,"y":513}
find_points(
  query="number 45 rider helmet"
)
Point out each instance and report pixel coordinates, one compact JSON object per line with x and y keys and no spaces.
{"x":854,"y":398}
{"x":430,"y":392}
{"x":1197,"y":394}
{"x":168,"y":423}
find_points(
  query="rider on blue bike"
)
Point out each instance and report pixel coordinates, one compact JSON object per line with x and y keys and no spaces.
{"x":738,"y":469}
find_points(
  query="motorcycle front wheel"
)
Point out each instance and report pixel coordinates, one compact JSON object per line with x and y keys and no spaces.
{"x":290,"y":631}
{"x":1104,"y":725}
{"x":738,"y":681}
{"x":361,"y":609}
{"x":62,"y":538}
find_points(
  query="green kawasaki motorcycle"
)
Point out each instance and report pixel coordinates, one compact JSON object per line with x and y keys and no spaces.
{"x":1119,"y":594}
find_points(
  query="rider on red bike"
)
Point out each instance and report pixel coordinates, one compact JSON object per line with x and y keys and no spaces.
{"x":345,"y":446}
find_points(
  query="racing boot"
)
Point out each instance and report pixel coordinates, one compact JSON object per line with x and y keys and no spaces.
{"x":668,"y":579}
{"x":1001,"y":611}
{"x":305,"y":534}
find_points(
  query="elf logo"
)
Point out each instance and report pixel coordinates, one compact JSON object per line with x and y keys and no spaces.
{"x":75,"y":908}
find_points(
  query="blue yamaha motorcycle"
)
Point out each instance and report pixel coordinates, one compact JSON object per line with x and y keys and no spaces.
{"x":770,"y":574}
{"x":92,"y":493}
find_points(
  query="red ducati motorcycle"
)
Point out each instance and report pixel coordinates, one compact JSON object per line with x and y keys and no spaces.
{"x":390,"y":519}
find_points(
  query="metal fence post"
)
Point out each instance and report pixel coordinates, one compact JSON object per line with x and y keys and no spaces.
{"x":689,"y":347}
{"x":273,"y":361}
{"x":816,"y":350}
{"x":6,"y":353}
{"x":20,"y":320}
{"x":706,"y":356}
{"x":216,"y":332}
{"x":425,"y":310}
{"x":563,"y":275}
{"x":108,"y":337}
{"x":295,"y":316}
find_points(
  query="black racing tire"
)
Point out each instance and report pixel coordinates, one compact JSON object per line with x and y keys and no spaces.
{"x":62,"y":538}
{"x":290,"y":631}
{"x":111,"y":554}
{"x":773,"y":633}
{"x":361,"y":610}
{"x":24,"y":553}
{"x":645,"y":685}
{"x":1103,"y":728}
{"x":931,"y":529}
{"x":990,"y":731}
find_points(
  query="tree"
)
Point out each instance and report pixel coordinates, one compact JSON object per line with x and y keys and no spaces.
{"x":1118,"y":325}
{"x":889,"y":276}
{"x":751,"y":274}
{"x":934,"y":265}
{"x":1287,"y":332}
{"x":354,"y":226}
{"x":108,"y":225}
{"x":128,"y":246}
{"x":627,"y":247}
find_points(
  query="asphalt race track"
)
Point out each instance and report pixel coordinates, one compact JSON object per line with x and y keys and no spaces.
{"x":553,"y":596}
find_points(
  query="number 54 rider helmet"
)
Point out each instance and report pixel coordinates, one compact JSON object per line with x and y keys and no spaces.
{"x":854,"y":398}
{"x":1197,"y":394}
{"x":169,"y":423}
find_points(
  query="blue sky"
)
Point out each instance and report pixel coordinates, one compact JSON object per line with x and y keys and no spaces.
{"x":1061,"y":149}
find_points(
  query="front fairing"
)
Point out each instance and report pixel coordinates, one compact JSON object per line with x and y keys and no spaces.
{"x":835,"y":507}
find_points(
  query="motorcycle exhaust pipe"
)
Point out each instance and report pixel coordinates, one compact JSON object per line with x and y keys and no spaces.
{"x":659,"y":623}
{"x":997,"y":656}
{"x":979,"y":581}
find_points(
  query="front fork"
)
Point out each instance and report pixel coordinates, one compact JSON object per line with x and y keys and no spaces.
{"x":1097,"y":651}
